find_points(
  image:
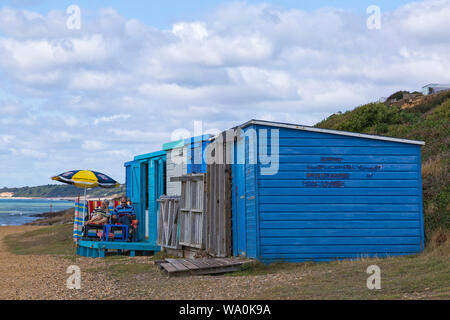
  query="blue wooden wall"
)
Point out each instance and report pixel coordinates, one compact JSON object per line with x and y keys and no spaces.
{"x":333,"y":197}
{"x":136,"y":190}
{"x":196,"y":153}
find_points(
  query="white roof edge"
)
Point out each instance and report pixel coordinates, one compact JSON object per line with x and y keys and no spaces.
{"x":444,"y":85}
{"x":342,"y":133}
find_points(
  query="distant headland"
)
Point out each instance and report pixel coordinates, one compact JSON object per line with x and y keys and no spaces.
{"x":53,"y":191}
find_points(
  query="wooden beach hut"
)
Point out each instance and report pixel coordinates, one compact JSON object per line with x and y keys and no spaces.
{"x":278,"y":192}
{"x":285,"y":192}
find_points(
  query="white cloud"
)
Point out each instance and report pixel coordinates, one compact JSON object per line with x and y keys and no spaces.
{"x":6,"y":139}
{"x":112,"y":118}
{"x":92,"y":145}
{"x":93,"y":81}
{"x":190,"y":31}
{"x":9,"y":108}
{"x":28,"y":153}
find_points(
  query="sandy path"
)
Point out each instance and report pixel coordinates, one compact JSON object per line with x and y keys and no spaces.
{"x":42,"y":277}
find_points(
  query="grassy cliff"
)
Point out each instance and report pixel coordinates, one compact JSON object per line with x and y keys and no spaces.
{"x":428,"y":121}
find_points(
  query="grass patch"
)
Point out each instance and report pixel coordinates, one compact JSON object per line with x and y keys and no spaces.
{"x":421,"y":277}
{"x":55,"y":240}
{"x":258,"y":268}
{"x":129,"y":269}
{"x":162,"y":255}
{"x":122,"y":270}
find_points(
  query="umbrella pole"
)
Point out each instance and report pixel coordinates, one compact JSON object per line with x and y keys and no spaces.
{"x":84,"y":206}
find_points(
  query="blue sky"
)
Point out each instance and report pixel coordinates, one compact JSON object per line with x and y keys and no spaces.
{"x":162,"y":14}
{"x":135,"y":74}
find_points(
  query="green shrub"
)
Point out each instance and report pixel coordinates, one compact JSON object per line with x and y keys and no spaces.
{"x":371,"y":117}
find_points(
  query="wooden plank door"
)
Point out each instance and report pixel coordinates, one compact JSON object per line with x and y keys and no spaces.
{"x":192,"y":213}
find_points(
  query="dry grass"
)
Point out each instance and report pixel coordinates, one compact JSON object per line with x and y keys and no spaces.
{"x":439,"y":244}
{"x":55,"y":240}
{"x":434,"y":167}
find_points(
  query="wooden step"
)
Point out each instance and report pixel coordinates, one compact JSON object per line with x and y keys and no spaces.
{"x":202,"y":266}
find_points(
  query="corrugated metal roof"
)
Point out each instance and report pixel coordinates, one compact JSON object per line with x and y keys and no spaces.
{"x":342,"y":133}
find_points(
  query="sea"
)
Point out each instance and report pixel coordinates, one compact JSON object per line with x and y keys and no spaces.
{"x":15,"y":212}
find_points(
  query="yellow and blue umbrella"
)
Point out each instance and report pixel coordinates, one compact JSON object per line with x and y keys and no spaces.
{"x":86,"y":179}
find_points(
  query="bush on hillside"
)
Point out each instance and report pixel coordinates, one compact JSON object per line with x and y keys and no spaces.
{"x":376,"y":116}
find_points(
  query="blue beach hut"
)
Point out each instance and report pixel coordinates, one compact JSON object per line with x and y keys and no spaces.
{"x":144,"y":185}
{"x":302,"y":193}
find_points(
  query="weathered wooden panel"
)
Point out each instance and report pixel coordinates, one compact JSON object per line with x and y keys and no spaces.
{"x":168,"y":216}
{"x":205,"y":206}
{"x":218,"y":186}
{"x":222,"y":244}
{"x":192,"y":211}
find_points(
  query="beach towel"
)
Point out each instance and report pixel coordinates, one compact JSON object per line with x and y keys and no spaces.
{"x":79,"y":221}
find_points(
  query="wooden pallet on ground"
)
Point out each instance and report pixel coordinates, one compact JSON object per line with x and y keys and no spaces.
{"x":186,"y":267}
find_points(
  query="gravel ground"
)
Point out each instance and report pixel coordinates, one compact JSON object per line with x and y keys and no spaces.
{"x":44,"y":277}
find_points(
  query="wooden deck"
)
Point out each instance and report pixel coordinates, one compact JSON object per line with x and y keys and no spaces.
{"x":98,"y":249}
{"x":186,"y":267}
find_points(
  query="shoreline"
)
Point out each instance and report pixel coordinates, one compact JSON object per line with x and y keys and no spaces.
{"x":52,"y":218}
{"x":44,"y":217}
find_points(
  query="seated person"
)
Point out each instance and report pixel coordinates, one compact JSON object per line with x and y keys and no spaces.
{"x":123,"y":213}
{"x":100,"y":215}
